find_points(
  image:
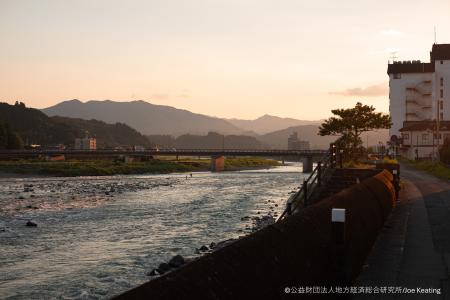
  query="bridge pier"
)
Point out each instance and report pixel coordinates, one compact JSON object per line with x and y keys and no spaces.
{"x":217,"y":163}
{"x":307,"y":162}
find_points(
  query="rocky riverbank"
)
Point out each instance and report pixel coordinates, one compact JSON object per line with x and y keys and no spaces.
{"x":19,"y":196}
{"x":257,"y":222}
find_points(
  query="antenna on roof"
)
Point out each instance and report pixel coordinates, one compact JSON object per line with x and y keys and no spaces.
{"x":393,"y":56}
{"x":435,"y":42}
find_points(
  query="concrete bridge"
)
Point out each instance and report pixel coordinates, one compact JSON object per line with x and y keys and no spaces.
{"x":217,"y":155}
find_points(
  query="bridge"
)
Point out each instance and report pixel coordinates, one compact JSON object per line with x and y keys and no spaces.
{"x":217,"y":155}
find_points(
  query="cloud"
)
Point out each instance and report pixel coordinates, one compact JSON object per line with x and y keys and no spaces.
{"x":183,"y":95}
{"x":160,"y":96}
{"x":370,"y":91}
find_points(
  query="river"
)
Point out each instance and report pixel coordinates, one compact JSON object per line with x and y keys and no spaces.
{"x":99,"y":236}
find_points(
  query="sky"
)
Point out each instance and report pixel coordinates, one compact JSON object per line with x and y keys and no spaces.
{"x":225,"y":58}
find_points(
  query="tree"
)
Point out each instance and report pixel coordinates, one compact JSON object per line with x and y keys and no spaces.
{"x":9,"y":139}
{"x":350,"y":123}
{"x":14,"y":141}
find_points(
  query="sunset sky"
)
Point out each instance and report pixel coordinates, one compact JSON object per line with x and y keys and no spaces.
{"x":227,"y":58}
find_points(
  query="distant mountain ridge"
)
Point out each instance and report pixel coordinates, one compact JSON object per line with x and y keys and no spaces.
{"x":152,"y":119}
{"x":159,"y":120}
{"x":143,"y":116}
{"x":35,"y":127}
{"x":268,"y":123}
{"x":278,"y":139}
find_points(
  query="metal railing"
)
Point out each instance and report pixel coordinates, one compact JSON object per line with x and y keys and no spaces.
{"x":310,"y":185}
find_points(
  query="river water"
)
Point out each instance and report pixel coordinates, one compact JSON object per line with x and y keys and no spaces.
{"x":99,"y":236}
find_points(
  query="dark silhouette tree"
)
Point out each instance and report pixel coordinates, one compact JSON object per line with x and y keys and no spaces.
{"x":350,"y":123}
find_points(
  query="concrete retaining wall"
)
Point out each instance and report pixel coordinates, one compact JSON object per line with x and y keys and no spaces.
{"x":297,"y":251}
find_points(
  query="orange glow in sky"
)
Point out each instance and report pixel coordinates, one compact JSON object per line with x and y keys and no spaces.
{"x":227,"y":58}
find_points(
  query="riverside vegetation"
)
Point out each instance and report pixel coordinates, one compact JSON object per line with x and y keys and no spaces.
{"x":106,"y":167}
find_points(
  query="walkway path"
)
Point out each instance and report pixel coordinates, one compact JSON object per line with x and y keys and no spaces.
{"x":413,"y":249}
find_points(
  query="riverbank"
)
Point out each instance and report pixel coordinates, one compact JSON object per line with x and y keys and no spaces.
{"x":106,"y":168}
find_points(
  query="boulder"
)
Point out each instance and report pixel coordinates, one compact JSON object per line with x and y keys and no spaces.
{"x":177,"y":261}
{"x":163,"y":268}
{"x":153,"y":272}
{"x":31,"y":224}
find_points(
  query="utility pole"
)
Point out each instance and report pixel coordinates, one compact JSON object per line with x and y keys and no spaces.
{"x":417,"y":146}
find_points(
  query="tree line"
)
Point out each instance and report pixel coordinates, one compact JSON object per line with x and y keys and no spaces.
{"x":9,"y":139}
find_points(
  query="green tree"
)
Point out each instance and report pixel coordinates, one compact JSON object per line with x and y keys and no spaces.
{"x":14,"y":141}
{"x":3,"y":136}
{"x":350,"y":123}
{"x":9,"y":139}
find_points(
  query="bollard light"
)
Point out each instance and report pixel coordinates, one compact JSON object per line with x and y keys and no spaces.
{"x":338,"y":215}
{"x":338,"y":225}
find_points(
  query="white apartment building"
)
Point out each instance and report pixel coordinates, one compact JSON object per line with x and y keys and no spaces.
{"x":419,"y":106}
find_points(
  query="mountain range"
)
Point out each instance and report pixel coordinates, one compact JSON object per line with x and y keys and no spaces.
{"x":145,"y":117}
{"x":34,"y":127}
{"x":151,"y":119}
{"x":268,"y":123}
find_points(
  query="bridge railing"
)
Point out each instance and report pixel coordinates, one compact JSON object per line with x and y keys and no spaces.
{"x":320,"y":174}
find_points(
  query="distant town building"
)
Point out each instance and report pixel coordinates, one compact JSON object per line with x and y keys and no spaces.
{"x":138,"y":148}
{"x":295,"y":144}
{"x":419,"y":105}
{"x":86,"y":143}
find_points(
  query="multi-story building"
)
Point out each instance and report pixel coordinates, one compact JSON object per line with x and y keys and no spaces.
{"x":295,"y":144}
{"x":419,"y":95}
{"x":85,"y":143}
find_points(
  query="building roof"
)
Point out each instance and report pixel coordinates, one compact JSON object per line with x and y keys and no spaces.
{"x":424,"y":125}
{"x":410,"y":67}
{"x":440,"y":52}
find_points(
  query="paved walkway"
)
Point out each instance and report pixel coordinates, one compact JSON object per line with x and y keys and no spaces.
{"x":413,"y":250}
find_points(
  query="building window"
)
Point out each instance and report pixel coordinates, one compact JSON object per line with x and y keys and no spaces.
{"x":441,"y":105}
{"x":405,"y":136}
{"x":425,"y":137}
{"x":442,"y":81}
{"x":442,"y":62}
{"x":441,"y":116}
{"x":442,"y":93}
{"x":397,"y":75}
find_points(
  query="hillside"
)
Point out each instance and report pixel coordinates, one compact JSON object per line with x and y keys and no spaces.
{"x":36,"y":128}
{"x":278,"y":139}
{"x":143,"y":116}
{"x":268,"y":123}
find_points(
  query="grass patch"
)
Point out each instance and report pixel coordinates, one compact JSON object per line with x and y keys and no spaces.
{"x":235,"y":163}
{"x":437,"y":169}
{"x":107,"y":167}
{"x":95,"y":167}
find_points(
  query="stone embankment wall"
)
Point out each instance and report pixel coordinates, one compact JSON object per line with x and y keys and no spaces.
{"x":297,"y":251}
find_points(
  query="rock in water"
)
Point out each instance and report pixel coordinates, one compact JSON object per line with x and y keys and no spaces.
{"x":154,"y":272}
{"x":163,"y":268}
{"x":176,"y":261}
{"x":31,"y":224}
{"x":203,"y":248}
